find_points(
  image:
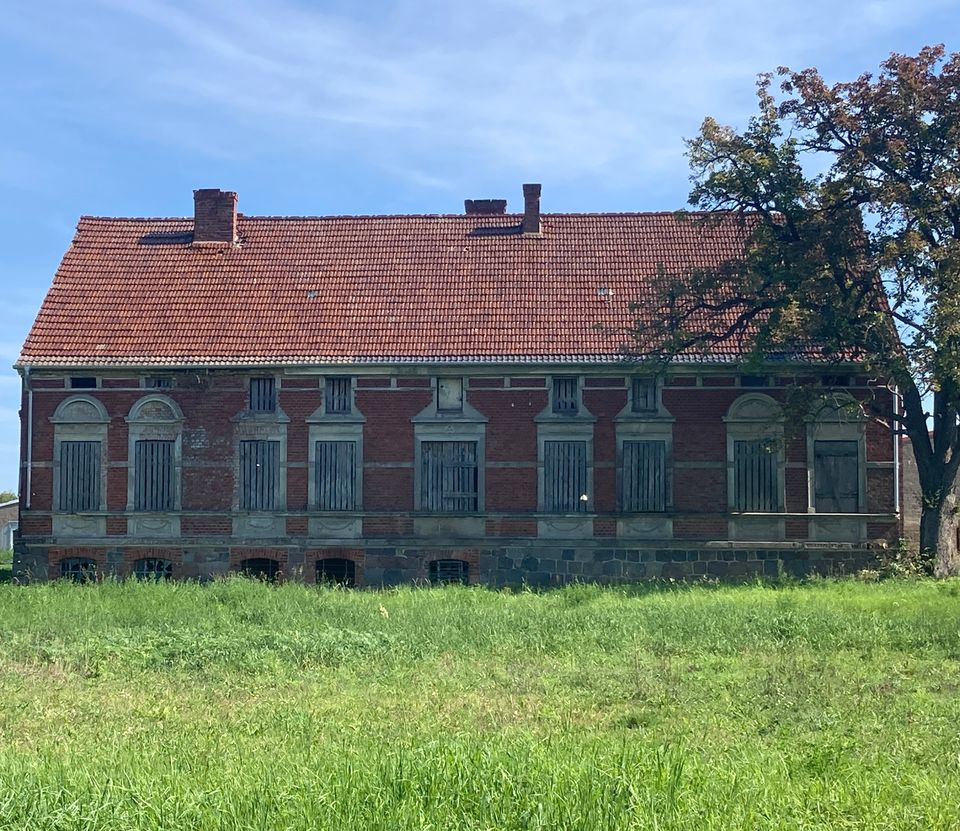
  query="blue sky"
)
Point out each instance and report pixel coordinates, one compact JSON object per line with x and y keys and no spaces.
{"x":123,"y":107}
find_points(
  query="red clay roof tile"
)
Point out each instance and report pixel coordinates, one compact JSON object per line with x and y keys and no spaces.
{"x":347,"y":289}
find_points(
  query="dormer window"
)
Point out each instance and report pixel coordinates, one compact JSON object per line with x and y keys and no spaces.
{"x":338,"y":395}
{"x":263,"y":395}
{"x":644,"y":395}
{"x":566,"y":396}
{"x":450,"y":395}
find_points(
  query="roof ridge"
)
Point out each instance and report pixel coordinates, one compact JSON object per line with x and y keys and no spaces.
{"x":462,"y":216}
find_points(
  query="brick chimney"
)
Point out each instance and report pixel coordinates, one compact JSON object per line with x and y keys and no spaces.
{"x":531,"y":210}
{"x":214,"y":216}
{"x":485,"y":206}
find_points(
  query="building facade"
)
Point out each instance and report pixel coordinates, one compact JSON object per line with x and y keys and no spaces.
{"x":378,"y":400}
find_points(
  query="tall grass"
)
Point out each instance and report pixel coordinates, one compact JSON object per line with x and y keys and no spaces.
{"x":243,"y":705}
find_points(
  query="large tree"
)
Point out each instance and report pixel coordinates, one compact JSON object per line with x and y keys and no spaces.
{"x":849,"y":197}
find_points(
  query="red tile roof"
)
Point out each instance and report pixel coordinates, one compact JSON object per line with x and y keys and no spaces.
{"x":316,"y":290}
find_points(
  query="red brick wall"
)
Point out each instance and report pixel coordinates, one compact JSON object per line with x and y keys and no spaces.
{"x":210,"y":402}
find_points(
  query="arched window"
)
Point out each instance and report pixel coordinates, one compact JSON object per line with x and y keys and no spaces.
{"x":836,"y":465}
{"x":755,"y":454}
{"x":337,"y":570}
{"x":153,"y":568}
{"x":449,"y":571}
{"x":80,"y":467}
{"x":78,"y":569}
{"x":263,"y":568}
{"x":154,"y":453}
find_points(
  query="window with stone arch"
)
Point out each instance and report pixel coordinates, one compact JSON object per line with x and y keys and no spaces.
{"x":755,"y":455}
{"x":836,"y":468}
{"x":155,"y":456}
{"x":80,"y":427}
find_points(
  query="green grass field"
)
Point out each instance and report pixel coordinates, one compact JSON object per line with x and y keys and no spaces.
{"x":826,"y":705}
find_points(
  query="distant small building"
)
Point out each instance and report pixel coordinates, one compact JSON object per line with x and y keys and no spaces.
{"x":9,"y":511}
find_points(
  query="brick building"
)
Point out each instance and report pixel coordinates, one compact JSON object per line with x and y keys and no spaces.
{"x":389,"y":398}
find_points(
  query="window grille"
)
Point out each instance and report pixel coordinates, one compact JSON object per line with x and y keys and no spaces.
{"x":566,"y":398}
{"x":836,"y":476}
{"x":449,"y":571}
{"x":644,"y":480}
{"x":644,"y":395}
{"x":338,"y":393}
{"x":449,"y":479}
{"x":78,"y":569}
{"x":263,"y":395}
{"x":83,"y":382}
{"x":79,"y":476}
{"x":158,"y":382}
{"x":153,"y":482}
{"x":153,"y":568}
{"x":755,"y":480}
{"x":262,"y":568}
{"x":450,"y":395}
{"x":337,"y":570}
{"x":259,"y":475}
{"x":336,"y":475}
{"x":565,"y":476}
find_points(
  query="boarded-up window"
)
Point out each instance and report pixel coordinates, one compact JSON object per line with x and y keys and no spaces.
{"x":449,"y":571}
{"x":78,"y":569}
{"x":338,"y":394}
{"x":644,"y":480}
{"x":336,"y":475}
{"x":565,"y":476}
{"x":259,"y":475}
{"x":449,"y":479}
{"x":836,"y":476}
{"x":450,"y":395}
{"x":153,"y":483}
{"x":263,"y":395}
{"x":755,"y":478}
{"x":153,"y":568}
{"x":566,"y":398}
{"x":337,"y":570}
{"x":79,"y":476}
{"x":644,"y":395}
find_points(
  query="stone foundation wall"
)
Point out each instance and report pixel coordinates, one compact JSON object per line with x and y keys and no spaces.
{"x":507,"y":565}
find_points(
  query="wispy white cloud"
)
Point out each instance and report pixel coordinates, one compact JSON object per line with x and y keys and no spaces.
{"x":567,"y":89}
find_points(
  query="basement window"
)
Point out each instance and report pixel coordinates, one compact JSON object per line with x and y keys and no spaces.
{"x":261,"y":568}
{"x":337,"y":571}
{"x":83,"y":382}
{"x":153,"y":568}
{"x":449,"y":571}
{"x":78,"y":569}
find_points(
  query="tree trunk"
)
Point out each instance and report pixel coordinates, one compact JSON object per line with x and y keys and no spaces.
{"x":940,"y":534}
